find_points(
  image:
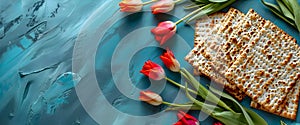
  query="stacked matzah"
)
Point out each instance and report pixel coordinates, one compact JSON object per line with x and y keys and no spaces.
{"x":249,"y":55}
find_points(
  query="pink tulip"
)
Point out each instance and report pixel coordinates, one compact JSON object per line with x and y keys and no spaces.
{"x":163,"y":6}
{"x":131,"y":5}
{"x":151,"y":98}
{"x":164,"y":31}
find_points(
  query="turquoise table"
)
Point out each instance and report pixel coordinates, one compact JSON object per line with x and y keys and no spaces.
{"x":77,"y":62}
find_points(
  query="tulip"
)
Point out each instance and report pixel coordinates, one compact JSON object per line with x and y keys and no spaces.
{"x":163,"y":6}
{"x":153,"y":70}
{"x":170,"y":61}
{"x":133,"y":5}
{"x":151,"y":98}
{"x":186,"y":119}
{"x":217,"y":123}
{"x":164,"y":31}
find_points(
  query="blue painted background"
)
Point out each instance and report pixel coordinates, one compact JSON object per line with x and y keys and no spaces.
{"x":37,"y":39}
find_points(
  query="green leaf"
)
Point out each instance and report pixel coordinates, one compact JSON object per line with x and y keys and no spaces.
{"x":282,"y":123}
{"x":256,"y":118}
{"x":218,"y":1}
{"x":248,"y":118}
{"x":228,"y":118}
{"x":294,"y":4}
{"x":201,"y":1}
{"x":297,"y":19}
{"x":187,"y":106}
{"x":205,"y":10}
{"x":288,"y":5}
{"x":202,"y":91}
{"x":191,"y":6}
{"x":287,"y":13}
{"x":211,"y":8}
{"x":207,"y":108}
{"x":296,"y":9}
{"x":251,"y":117}
{"x":276,"y":10}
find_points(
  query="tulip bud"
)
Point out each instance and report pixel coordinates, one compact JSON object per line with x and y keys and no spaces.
{"x":164,"y":31}
{"x":217,"y":123}
{"x":131,"y":5}
{"x":170,"y":61}
{"x":151,"y":98}
{"x":163,"y":6}
{"x":153,"y":70}
{"x":186,"y":119}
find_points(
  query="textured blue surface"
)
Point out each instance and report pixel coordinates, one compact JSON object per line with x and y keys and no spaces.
{"x":37,"y":41}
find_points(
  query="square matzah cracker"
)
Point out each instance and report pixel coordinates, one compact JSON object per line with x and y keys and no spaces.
{"x":247,"y":30}
{"x":268,"y":67}
{"x":204,"y":26}
{"x":203,"y":61}
{"x":289,"y":107}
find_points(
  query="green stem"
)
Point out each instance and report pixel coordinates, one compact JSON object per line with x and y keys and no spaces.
{"x":186,"y":108}
{"x":173,"y":104}
{"x":203,"y":92}
{"x":182,"y":73}
{"x":176,"y":1}
{"x":148,"y":2}
{"x":180,"y":86}
{"x":187,"y":16}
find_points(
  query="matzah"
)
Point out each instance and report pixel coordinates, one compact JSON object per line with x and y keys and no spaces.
{"x":268,"y":67}
{"x":288,"y":108}
{"x":245,"y":31}
{"x":200,"y":56}
{"x":204,"y":26}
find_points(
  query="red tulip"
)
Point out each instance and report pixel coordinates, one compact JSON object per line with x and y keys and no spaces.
{"x":153,"y":70}
{"x":217,"y":123}
{"x":131,"y":5}
{"x":150,"y":97}
{"x":186,"y":119}
{"x":170,"y":61}
{"x":163,"y":6}
{"x":164,"y":31}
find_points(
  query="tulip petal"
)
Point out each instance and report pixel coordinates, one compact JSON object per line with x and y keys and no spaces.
{"x":170,"y":61}
{"x":166,"y":37}
{"x":131,"y":3}
{"x":186,"y":119}
{"x":157,"y":74}
{"x":158,"y":38}
{"x":178,"y":123}
{"x":170,"y":53}
{"x":150,"y":97}
{"x":163,"y":3}
{"x":160,"y":30}
{"x":161,"y":10}
{"x":153,"y":70}
{"x":167,"y":24}
{"x":162,"y":6}
{"x":131,"y":9}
